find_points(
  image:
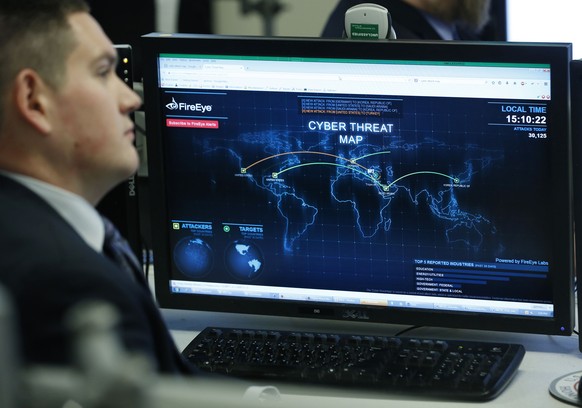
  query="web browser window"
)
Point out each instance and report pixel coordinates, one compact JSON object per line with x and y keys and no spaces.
{"x":339,"y":178}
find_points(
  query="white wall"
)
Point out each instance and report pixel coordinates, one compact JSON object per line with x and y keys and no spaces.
{"x":540,"y":20}
{"x":298,"y":18}
{"x":167,"y":15}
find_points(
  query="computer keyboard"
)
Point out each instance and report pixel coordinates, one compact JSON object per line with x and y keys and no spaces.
{"x":451,"y":369}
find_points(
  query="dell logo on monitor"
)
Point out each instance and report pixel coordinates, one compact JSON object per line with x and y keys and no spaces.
{"x":355,"y":315}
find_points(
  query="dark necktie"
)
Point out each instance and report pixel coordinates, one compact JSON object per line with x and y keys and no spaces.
{"x":116,"y":248}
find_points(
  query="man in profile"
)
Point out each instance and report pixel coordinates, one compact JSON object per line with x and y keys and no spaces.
{"x":423,"y":19}
{"x":66,"y":139}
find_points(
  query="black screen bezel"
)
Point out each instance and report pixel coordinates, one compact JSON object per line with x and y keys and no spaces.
{"x":556,"y":55}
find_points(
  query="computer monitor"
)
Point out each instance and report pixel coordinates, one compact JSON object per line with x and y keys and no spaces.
{"x":576,"y":106}
{"x":120,"y":205}
{"x":420,"y":183}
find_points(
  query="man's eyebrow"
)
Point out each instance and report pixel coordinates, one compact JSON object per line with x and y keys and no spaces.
{"x":111,"y":58}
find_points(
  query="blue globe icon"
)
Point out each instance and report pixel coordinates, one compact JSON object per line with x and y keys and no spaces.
{"x":193,"y":257}
{"x":244,"y":260}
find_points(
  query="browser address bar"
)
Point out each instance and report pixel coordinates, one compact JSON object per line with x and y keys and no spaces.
{"x":235,"y":72}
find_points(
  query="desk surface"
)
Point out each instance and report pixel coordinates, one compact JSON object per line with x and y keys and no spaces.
{"x":547,"y":358}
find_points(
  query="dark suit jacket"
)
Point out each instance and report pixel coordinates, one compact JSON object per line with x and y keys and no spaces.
{"x":408,"y":22}
{"x":47,"y":268}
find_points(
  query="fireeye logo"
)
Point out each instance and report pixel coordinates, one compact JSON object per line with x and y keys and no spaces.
{"x":195,"y":107}
{"x":172,"y":105}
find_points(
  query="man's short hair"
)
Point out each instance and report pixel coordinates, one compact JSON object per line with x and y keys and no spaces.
{"x":36,"y":34}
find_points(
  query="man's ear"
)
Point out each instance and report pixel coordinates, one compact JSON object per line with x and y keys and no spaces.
{"x":32,"y":97}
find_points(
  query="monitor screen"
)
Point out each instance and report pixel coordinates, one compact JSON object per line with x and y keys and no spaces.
{"x":421,"y":183}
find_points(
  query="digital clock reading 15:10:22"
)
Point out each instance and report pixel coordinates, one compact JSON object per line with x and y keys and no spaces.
{"x":526,"y":119}
{"x":525,"y":114}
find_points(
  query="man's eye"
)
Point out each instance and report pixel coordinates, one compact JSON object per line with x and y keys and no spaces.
{"x":104,"y":72}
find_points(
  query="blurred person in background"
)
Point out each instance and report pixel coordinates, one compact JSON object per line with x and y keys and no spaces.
{"x":425,"y":19}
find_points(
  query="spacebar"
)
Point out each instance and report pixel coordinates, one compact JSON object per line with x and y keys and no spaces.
{"x":265,"y":371}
